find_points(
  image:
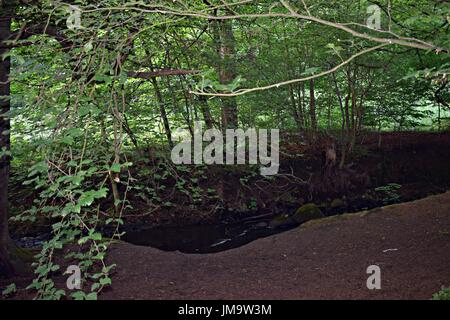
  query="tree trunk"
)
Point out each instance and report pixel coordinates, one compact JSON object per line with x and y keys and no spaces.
{"x":6,"y":266}
{"x":176,"y":106}
{"x":329,"y":104}
{"x":225,"y":46}
{"x":295,"y":113}
{"x":227,"y":72}
{"x":301,"y":104}
{"x":312,"y":107}
{"x":206,"y":113}
{"x":163,"y":112}
{"x":354,"y":115}
{"x":347,"y":132}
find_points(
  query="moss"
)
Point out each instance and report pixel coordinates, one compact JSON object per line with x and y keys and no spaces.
{"x":20,"y":258}
{"x":337,"y":203}
{"x":23,"y":254}
{"x":307,"y":212}
{"x":347,"y":216}
{"x":332,"y":219}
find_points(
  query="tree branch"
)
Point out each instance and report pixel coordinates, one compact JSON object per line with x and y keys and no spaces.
{"x":279,"y":84}
{"x":161,"y":73}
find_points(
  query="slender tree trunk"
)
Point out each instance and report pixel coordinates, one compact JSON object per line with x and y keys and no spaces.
{"x":227,"y":72}
{"x":206,"y":113}
{"x":191,"y":110}
{"x":341,"y":104}
{"x":330,"y":100}
{"x":294,"y":108}
{"x":347,"y":114}
{"x":301,"y":104}
{"x":131,"y":135}
{"x":347,"y":102}
{"x":290,"y":72}
{"x":345,"y":143}
{"x":354,"y":116}
{"x":344,"y":115}
{"x":176,"y":106}
{"x":225,"y":46}
{"x":162,"y":111}
{"x":312,"y":107}
{"x":6,"y":266}
{"x":353,"y":105}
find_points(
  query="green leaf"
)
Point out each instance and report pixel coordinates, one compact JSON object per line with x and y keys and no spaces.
{"x":105,"y":281}
{"x":86,"y":199}
{"x":59,"y":293}
{"x":95,"y":286}
{"x":9,"y":290}
{"x":91,"y":296}
{"x":79,"y":295}
{"x":103,"y":78}
{"x":115,"y":167}
{"x":88,"y":47}
{"x":54,"y":268}
{"x":99,"y":256}
{"x":67,"y":140}
{"x":96,"y":236}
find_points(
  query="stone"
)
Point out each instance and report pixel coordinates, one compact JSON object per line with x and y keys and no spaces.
{"x":261,"y":225}
{"x":307,"y":212}
{"x":337,"y":203}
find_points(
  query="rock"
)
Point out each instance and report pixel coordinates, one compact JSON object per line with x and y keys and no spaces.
{"x":281,"y":221}
{"x":307,"y":212}
{"x":261,"y":225}
{"x":337,"y":203}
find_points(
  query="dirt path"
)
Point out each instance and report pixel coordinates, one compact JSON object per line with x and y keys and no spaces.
{"x":326,"y":259}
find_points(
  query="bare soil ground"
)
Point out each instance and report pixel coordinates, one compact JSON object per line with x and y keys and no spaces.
{"x":324,"y":259}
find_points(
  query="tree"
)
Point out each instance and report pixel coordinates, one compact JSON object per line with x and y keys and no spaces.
{"x":92,"y":97}
{"x":227,"y":72}
{"x":6,"y":266}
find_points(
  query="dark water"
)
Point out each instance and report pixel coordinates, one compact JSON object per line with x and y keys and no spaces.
{"x":202,"y":238}
{"x":188,"y":239}
{"x":225,"y":236}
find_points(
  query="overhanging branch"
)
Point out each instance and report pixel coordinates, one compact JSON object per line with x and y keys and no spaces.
{"x":161,"y":73}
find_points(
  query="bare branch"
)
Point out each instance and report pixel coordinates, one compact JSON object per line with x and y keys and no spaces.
{"x":398,"y":40}
{"x":161,"y":73}
{"x":279,"y":84}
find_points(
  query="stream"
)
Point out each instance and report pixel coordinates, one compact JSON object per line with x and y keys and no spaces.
{"x":228,"y":234}
{"x":203,"y":238}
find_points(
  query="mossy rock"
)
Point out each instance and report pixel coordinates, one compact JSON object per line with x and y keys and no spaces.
{"x":307,"y":212}
{"x":281,"y":221}
{"x":337,"y":203}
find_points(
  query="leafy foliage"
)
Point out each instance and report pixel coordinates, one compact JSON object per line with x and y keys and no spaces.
{"x":81,"y":116}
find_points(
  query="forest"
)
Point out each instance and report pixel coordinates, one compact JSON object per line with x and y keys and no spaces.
{"x":224,"y":149}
